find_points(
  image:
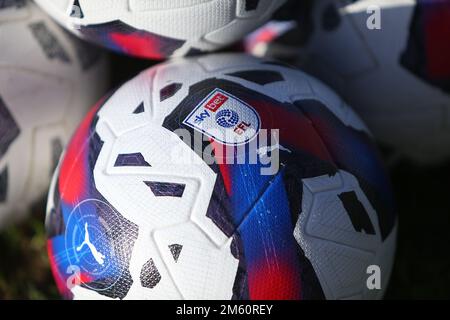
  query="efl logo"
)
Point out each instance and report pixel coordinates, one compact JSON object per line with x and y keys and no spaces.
{"x":225,"y":118}
{"x":216,"y":102}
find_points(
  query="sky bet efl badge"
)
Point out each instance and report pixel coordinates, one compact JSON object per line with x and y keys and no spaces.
{"x":225,"y":118}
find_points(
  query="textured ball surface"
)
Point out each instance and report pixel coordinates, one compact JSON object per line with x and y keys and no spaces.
{"x":137,"y":211}
{"x":48,"y":80}
{"x":397,"y":77}
{"x":161,"y":28}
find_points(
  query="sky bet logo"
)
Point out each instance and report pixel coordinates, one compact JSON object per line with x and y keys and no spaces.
{"x":225,"y":118}
{"x":216,"y":102}
{"x":211,"y":106}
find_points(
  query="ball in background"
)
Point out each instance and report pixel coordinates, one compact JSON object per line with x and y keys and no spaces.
{"x":397,"y":78}
{"x":136,"y":212}
{"x":48,"y":81}
{"x":161,"y":28}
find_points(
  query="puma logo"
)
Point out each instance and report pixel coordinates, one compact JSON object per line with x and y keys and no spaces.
{"x":265,"y":150}
{"x":99,"y":257}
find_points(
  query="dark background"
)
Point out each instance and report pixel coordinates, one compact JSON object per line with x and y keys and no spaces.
{"x":421,"y":269}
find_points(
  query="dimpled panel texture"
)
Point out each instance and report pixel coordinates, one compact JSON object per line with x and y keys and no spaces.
{"x":160,"y":28}
{"x":225,"y":231}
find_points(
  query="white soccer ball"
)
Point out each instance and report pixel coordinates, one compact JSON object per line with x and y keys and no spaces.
{"x":48,"y":80}
{"x":397,"y":77}
{"x":162,"y":28}
{"x":138,"y":211}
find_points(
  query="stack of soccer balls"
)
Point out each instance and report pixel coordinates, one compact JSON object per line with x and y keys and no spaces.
{"x":48,"y":80}
{"x":389,"y":59}
{"x":218,"y":176}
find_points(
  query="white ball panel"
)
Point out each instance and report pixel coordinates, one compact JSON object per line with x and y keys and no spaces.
{"x":203,"y":270}
{"x":47,"y":87}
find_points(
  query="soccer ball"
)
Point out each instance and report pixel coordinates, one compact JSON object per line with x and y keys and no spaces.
{"x":161,"y":28}
{"x":397,"y":77}
{"x":220,"y":177}
{"x":48,"y":80}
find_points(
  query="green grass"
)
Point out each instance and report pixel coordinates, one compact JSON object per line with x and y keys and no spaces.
{"x":24,"y":267}
{"x":421,"y":270}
